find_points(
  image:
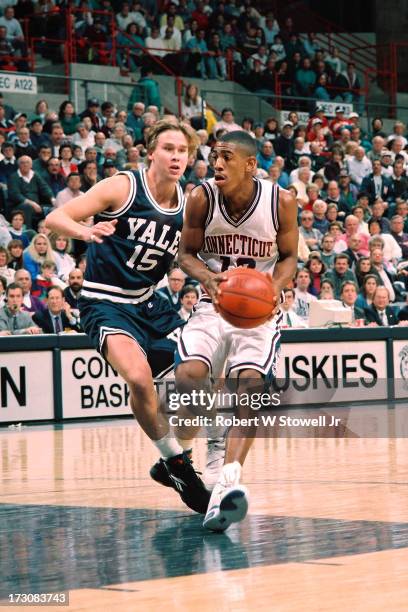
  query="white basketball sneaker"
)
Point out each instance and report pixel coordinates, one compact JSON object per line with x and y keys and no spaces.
{"x":229,"y":500}
{"x":215,"y":462}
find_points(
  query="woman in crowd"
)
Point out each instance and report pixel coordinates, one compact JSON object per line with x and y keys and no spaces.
{"x":317,"y":269}
{"x":68,"y":118}
{"x":377,"y":128}
{"x":41,"y":110}
{"x":62,"y":247}
{"x":130,"y":45}
{"x":36,"y":253}
{"x":362,"y":268}
{"x":5,"y":271}
{"x":271,"y":131}
{"x":66,"y":155}
{"x":15,"y":250}
{"x":366,"y":294}
{"x":192,"y":107}
{"x":326,"y":290}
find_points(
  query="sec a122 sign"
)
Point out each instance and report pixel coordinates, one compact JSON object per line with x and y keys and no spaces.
{"x":18,"y":83}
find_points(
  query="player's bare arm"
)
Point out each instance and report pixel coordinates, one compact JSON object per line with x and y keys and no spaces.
{"x":287,"y":240}
{"x":109,"y":194}
{"x":192,"y":239}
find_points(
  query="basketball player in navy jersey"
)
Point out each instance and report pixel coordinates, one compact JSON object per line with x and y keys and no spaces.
{"x":233,"y":220}
{"x":138,"y":218}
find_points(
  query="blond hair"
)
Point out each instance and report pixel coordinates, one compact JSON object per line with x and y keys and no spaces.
{"x":174,"y":126}
{"x":33,"y":253}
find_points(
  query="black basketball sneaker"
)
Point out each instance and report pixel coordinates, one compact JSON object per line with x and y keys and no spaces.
{"x":178,"y":472}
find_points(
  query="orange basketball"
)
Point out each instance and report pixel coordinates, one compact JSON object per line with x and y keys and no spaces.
{"x":247,"y":298}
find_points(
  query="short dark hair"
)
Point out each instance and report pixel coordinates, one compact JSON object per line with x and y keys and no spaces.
{"x":346,"y":283}
{"x":72,"y":174}
{"x":243,"y":140}
{"x":55,"y":287}
{"x":342,"y":256}
{"x":188,"y":289}
{"x":13,"y":286}
{"x":17,"y":212}
{"x":289,"y":290}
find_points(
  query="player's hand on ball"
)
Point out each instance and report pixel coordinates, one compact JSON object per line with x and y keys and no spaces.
{"x":97,"y":232}
{"x":212,"y":286}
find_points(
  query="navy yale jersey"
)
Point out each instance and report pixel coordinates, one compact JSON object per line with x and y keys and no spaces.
{"x":128,"y":264}
{"x":249,"y":241}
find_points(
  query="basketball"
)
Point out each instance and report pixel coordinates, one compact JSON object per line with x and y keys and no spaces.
{"x":247,"y":298}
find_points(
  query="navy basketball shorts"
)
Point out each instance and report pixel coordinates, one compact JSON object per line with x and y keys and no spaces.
{"x":153,"y":324}
{"x":226,"y":349}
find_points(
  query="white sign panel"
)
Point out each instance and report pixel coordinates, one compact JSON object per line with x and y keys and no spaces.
{"x":325,"y":372}
{"x":400,"y":357}
{"x":26,"y":386}
{"x":328,"y":107}
{"x":90,"y":386}
{"x":13,"y":82}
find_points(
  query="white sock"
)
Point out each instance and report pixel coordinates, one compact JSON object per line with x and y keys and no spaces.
{"x":230,"y":474}
{"x":168,"y":446}
{"x":185,"y":444}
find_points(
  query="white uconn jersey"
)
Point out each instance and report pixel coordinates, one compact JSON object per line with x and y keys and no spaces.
{"x":250,"y":240}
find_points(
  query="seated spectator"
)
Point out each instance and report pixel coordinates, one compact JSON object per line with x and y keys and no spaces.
{"x":331,"y":213}
{"x":16,"y":230}
{"x":23,"y":144}
{"x":336,"y":230}
{"x":284,"y":144}
{"x":319,"y":214}
{"x":326,"y":290}
{"x":303,"y":162}
{"x":89,"y":176}
{"x":290,"y":318}
{"x":68,"y":117}
{"x":311,"y":235}
{"x":83,"y":137}
{"x":13,"y":321}
{"x":199,"y":173}
{"x":401,"y":237}
{"x":399,"y":181}
{"x":72,"y":293}
{"x":265,"y":157}
{"x":92,"y":111}
{"x":317,"y":270}
{"x":301,"y":184}
{"x":53,"y":177}
{"x":62,"y":247}
{"x":358,"y":211}
{"x":340,"y":273}
{"x":40,"y":164}
{"x":303,"y":297}
{"x":353,"y":251}
{"x":359,"y":167}
{"x":71,"y":191}
{"x":58,"y":316}
{"x":376,"y":185}
{"x":176,"y":280}
{"x":46,"y":279}
{"x":8,"y":165}
{"x":362,"y":268}
{"x":377,"y":148}
{"x":349,"y":87}
{"x":305,"y":79}
{"x":192,"y":107}
{"x":28,"y":192}
{"x":5,"y":271}
{"x":377,"y":214}
{"x":367,"y":290}
{"x":351,"y":225}
{"x":15,"y":253}
{"x":31,"y":304}
{"x":189,"y":298}
{"x":391,"y":250}
{"x":15,"y":34}
{"x":348,"y":296}
{"x":380,"y":268}
{"x":387,"y":163}
{"x":380,"y":313}
{"x":65,"y":159}
{"x":327,"y":250}
{"x":227,"y":122}
{"x":36,"y":253}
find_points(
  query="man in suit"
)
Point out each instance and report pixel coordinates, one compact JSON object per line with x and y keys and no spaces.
{"x":177,"y":279}
{"x":376,"y":185}
{"x":380,"y":313}
{"x":397,"y":232}
{"x":348,"y":296}
{"x":58,"y":316}
{"x":31,"y":304}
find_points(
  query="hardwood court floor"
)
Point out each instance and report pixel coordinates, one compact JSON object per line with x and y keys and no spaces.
{"x":327,"y":530}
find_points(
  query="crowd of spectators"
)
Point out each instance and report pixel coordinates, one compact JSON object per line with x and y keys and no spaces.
{"x":351,"y":189}
{"x":351,"y":185}
{"x":202,"y":38}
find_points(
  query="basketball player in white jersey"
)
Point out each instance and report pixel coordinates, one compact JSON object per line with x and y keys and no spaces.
{"x":233,"y":220}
